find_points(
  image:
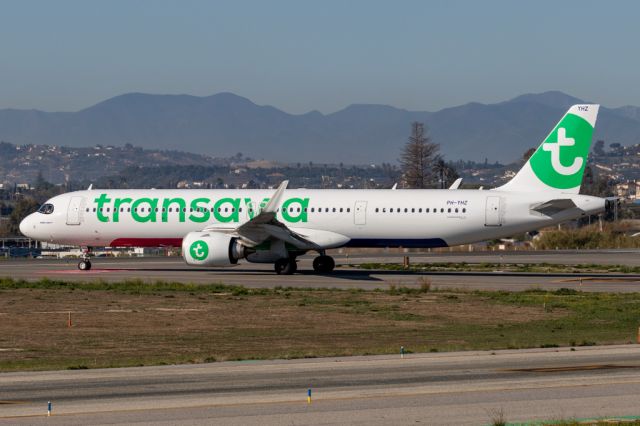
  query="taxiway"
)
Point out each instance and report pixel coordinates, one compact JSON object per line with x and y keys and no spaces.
{"x":448,"y":388}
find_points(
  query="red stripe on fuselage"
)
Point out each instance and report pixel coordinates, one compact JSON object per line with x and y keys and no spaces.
{"x":146,"y":242}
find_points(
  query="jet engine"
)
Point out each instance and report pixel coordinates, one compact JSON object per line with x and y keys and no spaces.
{"x":211,"y":249}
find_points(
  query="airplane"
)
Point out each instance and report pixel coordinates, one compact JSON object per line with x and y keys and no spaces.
{"x":219,"y":227}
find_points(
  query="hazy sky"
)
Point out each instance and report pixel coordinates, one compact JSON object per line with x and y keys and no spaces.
{"x":303,"y":55}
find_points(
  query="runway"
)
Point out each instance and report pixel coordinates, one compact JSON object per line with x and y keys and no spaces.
{"x":449,"y":388}
{"x":347,"y":277}
{"x":627,"y":257}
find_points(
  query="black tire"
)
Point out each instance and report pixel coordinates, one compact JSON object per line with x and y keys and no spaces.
{"x":286,"y":266}
{"x":323,"y":264}
{"x":84,"y":265}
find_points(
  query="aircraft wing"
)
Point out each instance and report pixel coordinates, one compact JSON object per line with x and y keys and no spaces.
{"x":551,"y":207}
{"x":265,"y":226}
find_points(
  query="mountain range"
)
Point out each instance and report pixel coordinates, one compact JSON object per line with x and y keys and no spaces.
{"x":225,"y":124}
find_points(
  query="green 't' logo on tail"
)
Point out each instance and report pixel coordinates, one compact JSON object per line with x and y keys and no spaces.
{"x":199,"y":250}
{"x":559,"y":162}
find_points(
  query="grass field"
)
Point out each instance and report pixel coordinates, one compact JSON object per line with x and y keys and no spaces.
{"x":136,"y":323}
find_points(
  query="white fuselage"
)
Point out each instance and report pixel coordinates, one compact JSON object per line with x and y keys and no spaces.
{"x":367,"y":218}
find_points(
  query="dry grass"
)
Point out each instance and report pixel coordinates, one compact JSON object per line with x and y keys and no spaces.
{"x":119,"y":328}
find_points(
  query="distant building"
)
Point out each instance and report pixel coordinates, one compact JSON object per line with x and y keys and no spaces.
{"x":629,"y":190}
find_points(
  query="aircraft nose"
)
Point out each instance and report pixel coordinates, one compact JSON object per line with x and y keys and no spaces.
{"x":26,"y":226}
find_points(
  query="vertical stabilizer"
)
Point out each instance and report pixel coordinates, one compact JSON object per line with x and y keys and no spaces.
{"x":558,"y":164}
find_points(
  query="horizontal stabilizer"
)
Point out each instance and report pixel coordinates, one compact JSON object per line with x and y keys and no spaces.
{"x":552,"y":207}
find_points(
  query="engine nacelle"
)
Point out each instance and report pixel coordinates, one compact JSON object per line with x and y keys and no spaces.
{"x":211,"y":249}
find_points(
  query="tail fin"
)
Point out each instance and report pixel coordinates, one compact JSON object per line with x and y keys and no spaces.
{"x":558,"y":164}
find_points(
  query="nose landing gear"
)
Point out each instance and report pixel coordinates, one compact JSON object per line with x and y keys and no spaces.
{"x":85,"y":263}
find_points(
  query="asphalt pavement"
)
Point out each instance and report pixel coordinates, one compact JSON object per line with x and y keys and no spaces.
{"x":347,"y":276}
{"x":450,"y":388}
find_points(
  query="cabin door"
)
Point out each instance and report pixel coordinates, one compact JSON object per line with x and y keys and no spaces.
{"x":492,"y":216}
{"x":74,"y":212}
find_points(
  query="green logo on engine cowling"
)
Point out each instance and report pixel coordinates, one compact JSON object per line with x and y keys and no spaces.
{"x":199,"y":250}
{"x":559,"y":162}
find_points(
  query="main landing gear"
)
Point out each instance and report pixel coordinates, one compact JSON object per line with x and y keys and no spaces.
{"x":323,"y":264}
{"x":286,"y":266}
{"x":85,"y":263}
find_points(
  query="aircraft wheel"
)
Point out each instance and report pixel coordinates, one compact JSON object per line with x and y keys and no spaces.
{"x":84,"y":265}
{"x":286,"y":266}
{"x":323,"y":264}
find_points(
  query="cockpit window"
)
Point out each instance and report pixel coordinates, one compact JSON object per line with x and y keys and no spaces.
{"x":46,"y":209}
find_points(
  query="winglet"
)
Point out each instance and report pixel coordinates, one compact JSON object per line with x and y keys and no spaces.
{"x":274,"y":202}
{"x":456,"y":184}
{"x":90,"y":187}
